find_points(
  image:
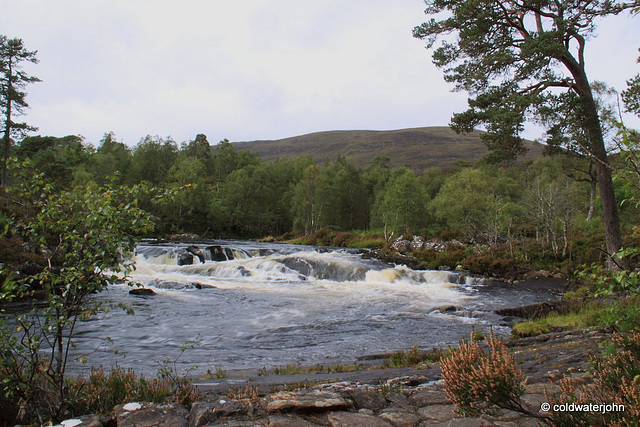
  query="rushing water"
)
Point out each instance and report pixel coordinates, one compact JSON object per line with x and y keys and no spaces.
{"x":260,"y":305}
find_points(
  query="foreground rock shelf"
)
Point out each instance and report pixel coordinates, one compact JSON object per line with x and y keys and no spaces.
{"x":333,"y":405}
{"x":357,"y":399}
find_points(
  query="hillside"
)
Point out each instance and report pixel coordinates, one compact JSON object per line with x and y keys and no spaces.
{"x":417,"y":148}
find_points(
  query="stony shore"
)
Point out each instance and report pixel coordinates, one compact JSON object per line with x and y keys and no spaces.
{"x":393,"y":397}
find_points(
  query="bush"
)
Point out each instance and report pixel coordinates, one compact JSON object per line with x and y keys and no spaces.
{"x":478,"y":382}
{"x":617,"y":382}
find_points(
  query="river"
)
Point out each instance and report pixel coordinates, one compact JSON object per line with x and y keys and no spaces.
{"x":253,"y":305}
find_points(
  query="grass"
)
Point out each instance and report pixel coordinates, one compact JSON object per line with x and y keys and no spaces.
{"x":295,"y":369}
{"x":413,"y":357}
{"x":581,"y":319}
{"x":592,"y":314}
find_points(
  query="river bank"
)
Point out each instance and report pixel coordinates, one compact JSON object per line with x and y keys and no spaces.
{"x":380,"y":397}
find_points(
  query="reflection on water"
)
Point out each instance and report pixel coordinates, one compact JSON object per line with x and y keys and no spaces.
{"x":265,"y":304}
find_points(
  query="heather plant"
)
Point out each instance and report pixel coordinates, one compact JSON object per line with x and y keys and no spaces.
{"x":478,"y":382}
{"x":616,"y":383}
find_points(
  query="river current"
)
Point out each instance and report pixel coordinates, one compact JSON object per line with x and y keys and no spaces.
{"x":253,"y":305}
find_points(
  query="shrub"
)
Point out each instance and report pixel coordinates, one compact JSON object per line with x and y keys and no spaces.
{"x":479,"y":382}
{"x":617,"y":381}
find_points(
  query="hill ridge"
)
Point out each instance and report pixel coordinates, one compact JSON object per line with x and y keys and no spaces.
{"x":417,"y":148}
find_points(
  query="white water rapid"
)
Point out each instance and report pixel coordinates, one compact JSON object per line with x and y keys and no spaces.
{"x":257,"y":305}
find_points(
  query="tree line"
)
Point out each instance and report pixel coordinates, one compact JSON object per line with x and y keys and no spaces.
{"x":221,"y":192}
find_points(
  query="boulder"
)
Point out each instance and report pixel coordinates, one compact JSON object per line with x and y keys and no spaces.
{"x":185,"y":259}
{"x":147,"y":414}
{"x":288,"y":421}
{"x":401,"y":245}
{"x":306,"y":401}
{"x":168,"y":284}
{"x":446,"y":309}
{"x":367,"y":399}
{"x":204,"y":413}
{"x":417,"y":244}
{"x":217,"y":253}
{"x":194,"y":250}
{"x":141,"y":291}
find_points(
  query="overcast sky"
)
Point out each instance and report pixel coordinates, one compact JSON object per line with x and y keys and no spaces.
{"x":247,"y":69}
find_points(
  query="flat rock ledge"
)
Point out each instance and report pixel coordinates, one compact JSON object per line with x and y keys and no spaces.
{"x":335,"y":404}
{"x":413,"y":400}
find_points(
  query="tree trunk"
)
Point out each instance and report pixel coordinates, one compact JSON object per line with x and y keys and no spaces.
{"x":7,"y":143}
{"x":612,"y":234}
{"x":592,"y":200}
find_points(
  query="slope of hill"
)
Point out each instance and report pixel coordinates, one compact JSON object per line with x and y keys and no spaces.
{"x":417,"y":148}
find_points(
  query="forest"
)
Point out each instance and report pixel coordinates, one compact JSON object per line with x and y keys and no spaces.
{"x":546,"y":208}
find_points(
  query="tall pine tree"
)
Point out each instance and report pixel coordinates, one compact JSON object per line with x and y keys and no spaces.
{"x":12,"y":97}
{"x":516,"y":57}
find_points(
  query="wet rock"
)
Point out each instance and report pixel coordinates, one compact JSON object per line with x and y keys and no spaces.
{"x":168,"y":284}
{"x":354,"y":419}
{"x":141,"y":291}
{"x":244,"y":272}
{"x":185,"y":259}
{"x":145,"y":414}
{"x":194,"y":250}
{"x":367,"y":399}
{"x":204,"y":413}
{"x":536,"y":311}
{"x":305,"y":401}
{"x":446,"y":309}
{"x":217,"y":253}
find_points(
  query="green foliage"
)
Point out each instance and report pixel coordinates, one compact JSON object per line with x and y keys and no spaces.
{"x":101,"y":392}
{"x":152,"y":159}
{"x":403,"y":205}
{"x":470,"y":202}
{"x":585,"y":317}
{"x":13,"y":80}
{"x":509,"y":55}
{"x":413,"y":357}
{"x":84,"y":236}
{"x":57,"y":158}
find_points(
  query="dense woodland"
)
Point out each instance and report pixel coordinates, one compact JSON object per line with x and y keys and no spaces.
{"x":550,"y":203}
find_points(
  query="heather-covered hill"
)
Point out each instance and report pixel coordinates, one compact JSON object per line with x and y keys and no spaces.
{"x":417,"y":148}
